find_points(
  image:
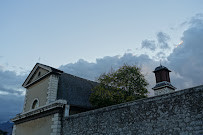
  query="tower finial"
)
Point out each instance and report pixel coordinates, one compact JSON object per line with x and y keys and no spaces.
{"x":160,"y":63}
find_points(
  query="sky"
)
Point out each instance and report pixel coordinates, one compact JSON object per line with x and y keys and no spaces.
{"x":89,"y":37}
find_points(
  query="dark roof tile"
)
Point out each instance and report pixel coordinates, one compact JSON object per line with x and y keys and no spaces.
{"x":161,"y":68}
{"x":75,"y":90}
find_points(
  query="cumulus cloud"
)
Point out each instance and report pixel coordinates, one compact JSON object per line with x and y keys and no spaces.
{"x":10,"y":106}
{"x":149,"y":44}
{"x":10,"y":91}
{"x":9,"y":78}
{"x":11,"y":94}
{"x":161,"y":55}
{"x":194,"y":21}
{"x":186,"y":59}
{"x":91,"y":71}
{"x":163,"y":39}
{"x":185,"y":62}
{"x":159,"y":44}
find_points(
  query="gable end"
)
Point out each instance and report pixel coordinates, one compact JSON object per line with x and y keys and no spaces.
{"x":36,"y":75}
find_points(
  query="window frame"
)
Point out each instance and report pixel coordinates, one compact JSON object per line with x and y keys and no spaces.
{"x":35,"y":104}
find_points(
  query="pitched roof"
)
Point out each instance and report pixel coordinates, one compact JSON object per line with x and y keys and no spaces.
{"x":75,"y":90}
{"x":161,"y":68}
{"x":163,"y":84}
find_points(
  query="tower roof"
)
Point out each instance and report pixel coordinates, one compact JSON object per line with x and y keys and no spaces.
{"x":163,"y":84}
{"x":161,"y":68}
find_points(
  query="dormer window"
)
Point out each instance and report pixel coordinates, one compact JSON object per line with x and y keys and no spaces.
{"x":35,"y":104}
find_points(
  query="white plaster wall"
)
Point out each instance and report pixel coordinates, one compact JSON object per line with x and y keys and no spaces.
{"x":40,"y":126}
{"x":39,"y":91}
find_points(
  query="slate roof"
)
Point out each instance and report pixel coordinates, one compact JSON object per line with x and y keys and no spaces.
{"x":161,"y":68}
{"x":75,"y":90}
{"x":163,"y":84}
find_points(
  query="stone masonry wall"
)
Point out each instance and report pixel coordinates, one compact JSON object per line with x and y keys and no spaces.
{"x":52,"y":89}
{"x":176,"y":113}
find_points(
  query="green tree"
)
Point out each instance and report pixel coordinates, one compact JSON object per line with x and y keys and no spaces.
{"x":123,"y":85}
{"x":2,"y":132}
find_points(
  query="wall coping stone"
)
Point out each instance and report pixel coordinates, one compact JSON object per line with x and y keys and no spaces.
{"x":57,"y":103}
{"x":122,"y":105}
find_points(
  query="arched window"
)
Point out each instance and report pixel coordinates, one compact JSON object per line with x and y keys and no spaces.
{"x":35,"y":104}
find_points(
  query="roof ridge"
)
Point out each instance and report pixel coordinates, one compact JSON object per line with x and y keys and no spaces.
{"x":79,"y":77}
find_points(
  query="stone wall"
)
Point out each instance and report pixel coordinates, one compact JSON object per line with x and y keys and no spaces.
{"x":180,"y":112}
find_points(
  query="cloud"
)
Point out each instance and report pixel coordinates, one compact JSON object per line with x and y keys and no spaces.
{"x":159,"y":44}
{"x":92,"y":71}
{"x":186,"y":59}
{"x":9,"y":78}
{"x":10,"y":91}
{"x":10,"y":106}
{"x":149,"y":44}
{"x":196,"y":21}
{"x":161,"y":55}
{"x":185,"y":62}
{"x":163,"y":39}
{"x":11,"y":94}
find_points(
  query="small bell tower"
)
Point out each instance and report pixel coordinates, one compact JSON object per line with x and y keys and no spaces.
{"x":163,"y":84}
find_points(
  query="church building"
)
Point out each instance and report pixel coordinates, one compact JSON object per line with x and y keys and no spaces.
{"x":51,"y":95}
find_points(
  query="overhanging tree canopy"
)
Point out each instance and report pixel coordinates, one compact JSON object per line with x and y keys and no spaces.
{"x":123,"y":85}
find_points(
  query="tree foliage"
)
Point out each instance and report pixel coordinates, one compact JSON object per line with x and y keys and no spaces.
{"x":123,"y":85}
{"x":3,"y":132}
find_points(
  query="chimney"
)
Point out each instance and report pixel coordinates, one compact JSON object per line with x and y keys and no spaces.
{"x":163,"y":84}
